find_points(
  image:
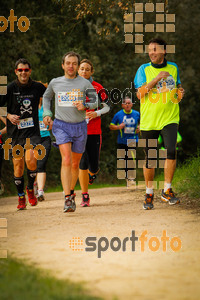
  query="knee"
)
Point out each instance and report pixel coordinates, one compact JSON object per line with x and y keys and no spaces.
{"x":32,"y":165}
{"x":75,"y":164}
{"x":18,"y":170}
{"x":66,"y":161}
{"x":31,"y":161}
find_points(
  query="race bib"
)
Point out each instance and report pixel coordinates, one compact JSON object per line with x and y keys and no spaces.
{"x":129,"y":125}
{"x":25,"y":123}
{"x":130,"y":130}
{"x":67,"y":98}
{"x":166,"y":84}
{"x":42,"y":126}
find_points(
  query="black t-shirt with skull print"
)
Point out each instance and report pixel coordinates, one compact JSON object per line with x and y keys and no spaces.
{"x":23,"y":101}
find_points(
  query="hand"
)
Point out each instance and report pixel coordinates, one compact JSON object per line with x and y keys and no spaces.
{"x":47,"y":121}
{"x":162,"y":74}
{"x":14,"y":119}
{"x":79,"y":105}
{"x":121,"y":126}
{"x":181,"y":93}
{"x":91,"y":115}
{"x":138,"y":129}
{"x":50,"y":125}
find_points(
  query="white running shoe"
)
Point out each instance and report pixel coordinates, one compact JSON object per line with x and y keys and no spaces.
{"x":40,"y":195}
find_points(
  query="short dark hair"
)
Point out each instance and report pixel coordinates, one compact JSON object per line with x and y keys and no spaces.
{"x":87,"y":61}
{"x":23,"y":61}
{"x":126,"y":98}
{"x":159,"y":41}
{"x":71,"y":53}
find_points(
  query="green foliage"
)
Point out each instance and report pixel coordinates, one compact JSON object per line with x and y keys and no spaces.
{"x":20,"y":281}
{"x":95,"y":29}
{"x":7,"y":178}
{"x":187,"y":177}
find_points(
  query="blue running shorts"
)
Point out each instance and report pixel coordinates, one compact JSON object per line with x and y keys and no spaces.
{"x":75,"y":133}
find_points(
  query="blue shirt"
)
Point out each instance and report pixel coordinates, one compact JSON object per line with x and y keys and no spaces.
{"x":43,"y":130}
{"x":131,"y":121}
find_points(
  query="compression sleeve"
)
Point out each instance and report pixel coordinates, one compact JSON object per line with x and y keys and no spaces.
{"x":104,"y":110}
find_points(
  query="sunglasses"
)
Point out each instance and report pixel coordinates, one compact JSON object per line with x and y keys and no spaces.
{"x":21,"y":70}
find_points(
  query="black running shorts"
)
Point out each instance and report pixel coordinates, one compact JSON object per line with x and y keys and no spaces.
{"x":169,"y":134}
{"x":90,"y":158}
{"x":41,"y":164}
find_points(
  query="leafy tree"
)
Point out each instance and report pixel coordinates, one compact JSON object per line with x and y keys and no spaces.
{"x":95,"y":29}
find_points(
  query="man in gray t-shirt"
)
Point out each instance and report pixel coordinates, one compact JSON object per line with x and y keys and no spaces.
{"x":69,"y":126}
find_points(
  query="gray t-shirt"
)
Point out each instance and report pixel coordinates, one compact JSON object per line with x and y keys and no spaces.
{"x":67,"y":91}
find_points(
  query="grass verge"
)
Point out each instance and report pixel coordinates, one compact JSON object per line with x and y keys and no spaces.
{"x":187,"y":177}
{"x":20,"y":281}
{"x":59,"y":188}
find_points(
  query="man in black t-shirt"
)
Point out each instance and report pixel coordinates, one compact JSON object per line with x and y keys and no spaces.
{"x":22,"y":101}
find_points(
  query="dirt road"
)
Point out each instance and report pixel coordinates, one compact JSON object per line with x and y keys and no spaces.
{"x":41,"y":235}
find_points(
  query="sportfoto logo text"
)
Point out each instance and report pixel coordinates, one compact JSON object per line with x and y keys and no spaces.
{"x":23,"y":22}
{"x":145,"y":243}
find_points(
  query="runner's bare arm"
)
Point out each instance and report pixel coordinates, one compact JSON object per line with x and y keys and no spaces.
{"x":117,"y":127}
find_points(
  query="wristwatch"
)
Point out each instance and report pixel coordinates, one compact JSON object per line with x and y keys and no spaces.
{"x":0,"y":133}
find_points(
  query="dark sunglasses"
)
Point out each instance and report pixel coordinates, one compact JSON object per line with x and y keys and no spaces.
{"x":21,"y":70}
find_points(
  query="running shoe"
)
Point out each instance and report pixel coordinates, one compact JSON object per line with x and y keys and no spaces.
{"x":31,"y":197}
{"x":92,"y":178}
{"x":70,"y":205}
{"x":148,"y":202}
{"x":169,"y":197}
{"x":40,"y":195}
{"x":22,"y":203}
{"x":85,"y":200}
